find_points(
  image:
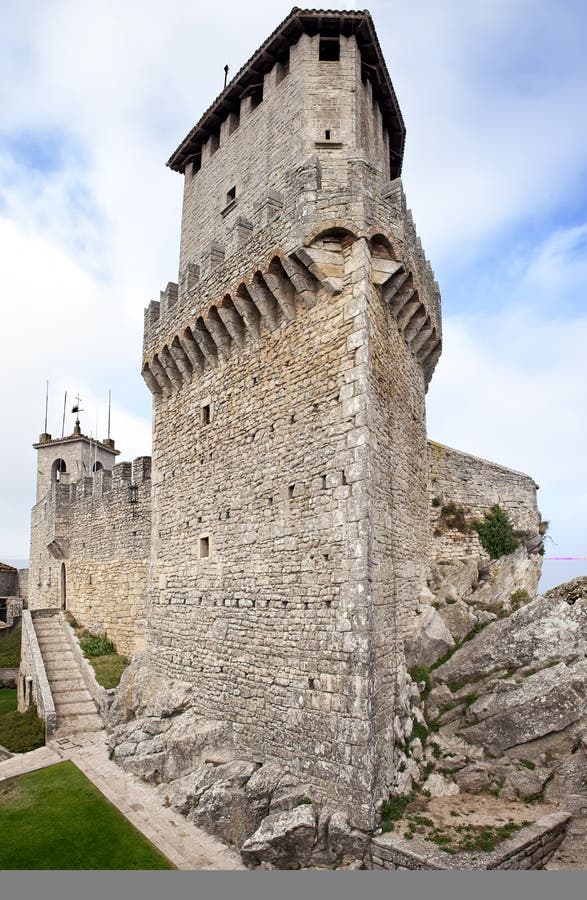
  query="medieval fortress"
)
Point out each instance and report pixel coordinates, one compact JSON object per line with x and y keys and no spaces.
{"x":275,"y":552}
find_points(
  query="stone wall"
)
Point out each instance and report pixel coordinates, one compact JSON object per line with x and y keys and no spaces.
{"x":529,"y":848}
{"x":476,"y":485}
{"x":90,"y":546}
{"x":8,"y":582}
{"x":33,"y":686}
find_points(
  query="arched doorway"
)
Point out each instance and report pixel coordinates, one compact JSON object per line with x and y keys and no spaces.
{"x":63,"y":587}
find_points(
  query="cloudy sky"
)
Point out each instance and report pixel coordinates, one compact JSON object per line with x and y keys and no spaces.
{"x":94,"y":95}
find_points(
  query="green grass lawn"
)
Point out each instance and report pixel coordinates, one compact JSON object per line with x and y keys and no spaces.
{"x":7,"y":700}
{"x":10,"y":650}
{"x":19,"y":732}
{"x":56,"y":819}
{"x":109,"y":668}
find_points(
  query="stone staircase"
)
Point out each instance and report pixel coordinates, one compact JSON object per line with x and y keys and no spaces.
{"x":76,"y":710}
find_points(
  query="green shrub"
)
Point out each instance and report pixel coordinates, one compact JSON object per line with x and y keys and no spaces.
{"x":519,"y":598}
{"x":96,"y":645}
{"x":496,"y":532}
{"x":452,"y":517}
{"x":394,"y":808}
{"x":419,"y":731}
{"x":422,"y":673}
{"x":10,"y":649}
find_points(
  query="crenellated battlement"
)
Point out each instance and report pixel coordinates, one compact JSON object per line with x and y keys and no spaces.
{"x":187,"y":333}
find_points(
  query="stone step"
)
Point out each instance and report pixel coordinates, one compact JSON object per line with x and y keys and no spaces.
{"x":53,"y":643}
{"x":78,"y":695}
{"x":78,"y":725}
{"x":67,"y":686}
{"x":71,"y":711}
{"x":59,"y":663}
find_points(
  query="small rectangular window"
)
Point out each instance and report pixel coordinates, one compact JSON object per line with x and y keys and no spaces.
{"x":206,"y":414}
{"x":204,"y":547}
{"x":231,"y":195}
{"x":196,"y":161}
{"x":256,"y":95}
{"x":329,"y":50}
{"x":327,"y":134}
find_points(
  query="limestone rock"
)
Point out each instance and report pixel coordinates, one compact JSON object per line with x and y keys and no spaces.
{"x":473,"y":778}
{"x":346,"y":844}
{"x":545,"y":702}
{"x":284,"y":839}
{"x":458,"y":618}
{"x":288,"y":794}
{"x":428,"y":640}
{"x":164,"y":749}
{"x":523,"y":783}
{"x":224,"y":810}
{"x":540,"y":632}
{"x":438,"y":786}
{"x":140,"y":693}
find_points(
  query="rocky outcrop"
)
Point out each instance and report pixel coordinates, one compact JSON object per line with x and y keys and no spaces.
{"x":259,"y":807}
{"x":505,"y":710}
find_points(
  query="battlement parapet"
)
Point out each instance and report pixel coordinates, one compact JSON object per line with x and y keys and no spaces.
{"x":228,"y":307}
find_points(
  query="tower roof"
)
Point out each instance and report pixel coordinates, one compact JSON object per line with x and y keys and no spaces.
{"x":47,"y":440}
{"x":328,"y":23}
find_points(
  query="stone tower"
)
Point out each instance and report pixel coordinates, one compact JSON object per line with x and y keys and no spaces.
{"x":288,"y":369}
{"x":65,"y":468}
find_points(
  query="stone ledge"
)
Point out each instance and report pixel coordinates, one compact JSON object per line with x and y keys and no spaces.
{"x":528,"y":848}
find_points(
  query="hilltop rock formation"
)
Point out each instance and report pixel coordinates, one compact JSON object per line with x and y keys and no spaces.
{"x":505,"y":708}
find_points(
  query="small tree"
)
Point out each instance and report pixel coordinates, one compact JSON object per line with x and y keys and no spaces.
{"x":496,"y":532}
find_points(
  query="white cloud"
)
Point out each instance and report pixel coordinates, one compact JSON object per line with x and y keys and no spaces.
{"x":490,"y":93}
{"x":511,"y":386}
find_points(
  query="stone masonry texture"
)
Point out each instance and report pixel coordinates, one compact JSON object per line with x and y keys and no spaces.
{"x":275,"y":556}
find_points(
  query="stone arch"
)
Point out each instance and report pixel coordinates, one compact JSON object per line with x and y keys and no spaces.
{"x":381,"y":245}
{"x":335,"y":229}
{"x":97,"y":467}
{"x":57,"y":470}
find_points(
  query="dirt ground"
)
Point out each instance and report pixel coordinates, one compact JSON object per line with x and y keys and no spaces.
{"x":459,"y":822}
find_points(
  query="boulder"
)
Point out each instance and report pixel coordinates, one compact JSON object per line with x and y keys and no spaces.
{"x":284,"y":840}
{"x":524,"y":783}
{"x":224,"y":810}
{"x":458,"y":618}
{"x":346,"y":844}
{"x":473,"y":779}
{"x":544,"y":631}
{"x":428,"y":640}
{"x":438,"y":786}
{"x":141,"y":693}
{"x":515,"y":713}
{"x":164,"y":749}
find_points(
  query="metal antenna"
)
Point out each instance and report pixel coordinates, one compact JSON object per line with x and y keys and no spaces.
{"x":77,"y":408}
{"x":109,"y":405}
{"x":46,"y":405}
{"x":63,"y":422}
{"x":225,"y":74}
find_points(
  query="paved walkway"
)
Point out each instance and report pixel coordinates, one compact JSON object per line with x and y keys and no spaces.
{"x":185,"y":845}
